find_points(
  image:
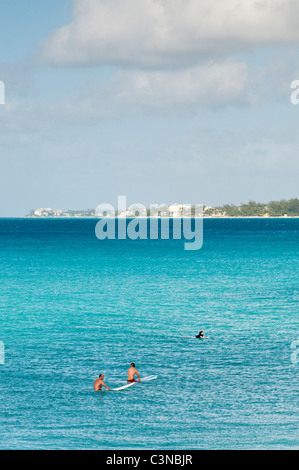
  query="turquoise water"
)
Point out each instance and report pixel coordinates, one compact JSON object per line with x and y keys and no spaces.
{"x":72,"y":306}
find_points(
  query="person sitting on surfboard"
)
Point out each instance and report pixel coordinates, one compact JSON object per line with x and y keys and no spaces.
{"x":99,"y":382}
{"x":131,"y":373}
{"x":201,"y":335}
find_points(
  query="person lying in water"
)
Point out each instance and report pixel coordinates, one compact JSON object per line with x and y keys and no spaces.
{"x":201,"y":335}
{"x":99,"y":383}
{"x":131,"y":374}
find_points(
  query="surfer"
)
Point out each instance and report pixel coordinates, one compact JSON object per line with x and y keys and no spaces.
{"x":201,"y":335}
{"x":131,"y":374}
{"x":99,"y":383}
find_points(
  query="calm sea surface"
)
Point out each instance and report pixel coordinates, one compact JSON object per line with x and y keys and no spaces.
{"x":72,"y":306}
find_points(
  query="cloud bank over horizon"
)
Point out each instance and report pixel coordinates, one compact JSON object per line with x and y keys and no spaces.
{"x":178,"y":55}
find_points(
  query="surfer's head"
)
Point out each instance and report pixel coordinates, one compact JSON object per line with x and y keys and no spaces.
{"x":132,"y":364}
{"x":201,"y":333}
{"x":101,"y":376}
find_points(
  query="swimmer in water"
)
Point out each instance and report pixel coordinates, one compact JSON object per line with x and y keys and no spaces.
{"x":201,"y":335}
{"x":99,"y":383}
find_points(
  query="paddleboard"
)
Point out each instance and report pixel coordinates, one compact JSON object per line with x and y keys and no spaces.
{"x":124,"y":386}
{"x":149,"y":377}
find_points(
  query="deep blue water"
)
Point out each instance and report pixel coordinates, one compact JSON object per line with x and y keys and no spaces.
{"x":72,"y":306}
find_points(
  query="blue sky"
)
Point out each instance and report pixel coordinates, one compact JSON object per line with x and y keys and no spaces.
{"x":160,"y":101}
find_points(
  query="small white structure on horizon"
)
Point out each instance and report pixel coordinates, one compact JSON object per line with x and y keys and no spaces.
{"x":124,"y":214}
{"x":179,"y":210}
{"x":137,"y":211}
{"x":57,"y":213}
{"x":42,"y":211}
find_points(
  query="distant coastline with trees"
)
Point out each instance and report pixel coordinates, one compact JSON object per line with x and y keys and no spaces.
{"x":283,"y":208}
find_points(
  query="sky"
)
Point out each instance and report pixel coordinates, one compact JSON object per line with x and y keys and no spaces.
{"x":162,"y":101}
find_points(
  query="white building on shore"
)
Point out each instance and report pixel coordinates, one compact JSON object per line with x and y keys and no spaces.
{"x":179,"y":210}
{"x":43,"y":211}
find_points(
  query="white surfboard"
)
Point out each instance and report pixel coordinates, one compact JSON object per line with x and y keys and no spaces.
{"x":124,"y":386}
{"x":149,"y":377}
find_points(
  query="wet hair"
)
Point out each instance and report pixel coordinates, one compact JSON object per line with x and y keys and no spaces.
{"x":200,"y":333}
{"x":100,"y":374}
{"x":133,"y":364}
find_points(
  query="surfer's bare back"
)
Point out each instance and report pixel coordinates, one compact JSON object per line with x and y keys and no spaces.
{"x":131,"y":374}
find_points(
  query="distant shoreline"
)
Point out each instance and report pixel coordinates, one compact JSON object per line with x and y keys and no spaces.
{"x":273,"y":209}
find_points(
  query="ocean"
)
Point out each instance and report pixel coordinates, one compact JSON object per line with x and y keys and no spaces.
{"x":73,"y":306}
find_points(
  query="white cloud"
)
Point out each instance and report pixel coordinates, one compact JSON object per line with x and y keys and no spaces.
{"x":213,"y":85}
{"x":167,"y":33}
{"x":130,"y":92}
